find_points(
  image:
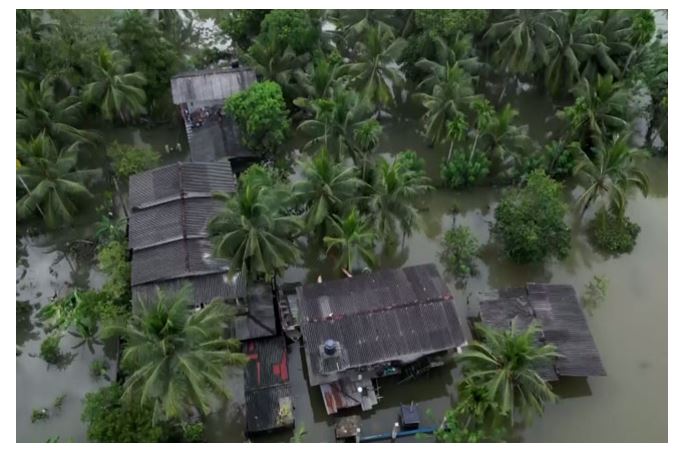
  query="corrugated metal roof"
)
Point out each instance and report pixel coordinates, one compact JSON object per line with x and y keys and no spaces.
{"x":205,"y":288}
{"x":210,"y":85}
{"x":268,"y":397}
{"x":216,"y":140}
{"x":389,"y":315}
{"x":556,"y":308}
{"x":260,"y":320}
{"x":168,"y":183}
{"x":183,"y":258}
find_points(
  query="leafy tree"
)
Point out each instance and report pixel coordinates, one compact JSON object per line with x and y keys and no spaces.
{"x":40,"y":110}
{"x":254,"y":233}
{"x":354,"y":238}
{"x":175,"y":356}
{"x":450,"y":97}
{"x":559,"y":159}
{"x":446,"y":23}
{"x":113,"y":261}
{"x":243,"y":26}
{"x":336,"y":122}
{"x":530,"y":221}
{"x":374,"y":71}
{"x":459,"y":249}
{"x":109,"y":419}
{"x":325,"y":189}
{"x":412,"y":162}
{"x":116,"y":93}
{"x":611,"y":172}
{"x":298,"y":29}
{"x":261,"y":114}
{"x":522,"y":38}
{"x":612,"y":233}
{"x":151,"y":54}
{"x":650,"y":69}
{"x":393,"y":195}
{"x":599,"y":111}
{"x":55,"y":188}
{"x":463,"y":171}
{"x":130,"y":160}
{"x":506,"y":362}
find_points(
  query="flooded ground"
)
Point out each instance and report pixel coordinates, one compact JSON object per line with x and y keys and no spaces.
{"x":629,"y":328}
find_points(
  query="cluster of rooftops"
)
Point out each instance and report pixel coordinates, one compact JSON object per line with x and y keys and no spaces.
{"x":355,"y":329}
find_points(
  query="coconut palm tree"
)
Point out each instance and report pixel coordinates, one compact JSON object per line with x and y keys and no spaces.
{"x":366,"y":139}
{"x":116,"y":93}
{"x":39,"y":110}
{"x":326,"y":188}
{"x":316,"y":82}
{"x":613,"y":30}
{"x":574,"y":42}
{"x":335,"y":122}
{"x":611,"y":173}
{"x":447,"y":54}
{"x":354,"y":238}
{"x":352,"y":24}
{"x":599,"y":111}
{"x":504,"y":140}
{"x":176,"y":357}
{"x":506,"y":363}
{"x":522,"y":38}
{"x":375,"y":70}
{"x":394,"y":193}
{"x":265,"y":57}
{"x":54,"y":185}
{"x":252,"y":232}
{"x":450,"y":97}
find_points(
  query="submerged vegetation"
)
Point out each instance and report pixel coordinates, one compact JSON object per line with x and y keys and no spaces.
{"x":332,"y":80}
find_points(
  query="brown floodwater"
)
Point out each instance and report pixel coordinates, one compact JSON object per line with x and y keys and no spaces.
{"x":630,"y":327}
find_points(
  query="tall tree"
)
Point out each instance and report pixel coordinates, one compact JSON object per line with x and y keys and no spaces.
{"x":354,"y":238}
{"x":326,"y":188}
{"x":447,"y":54}
{"x":253,"y":233}
{"x":176,"y":357}
{"x":115,"y":92}
{"x":55,"y":187}
{"x":611,"y":172}
{"x":375,"y":70}
{"x":506,"y":363}
{"x":40,"y":110}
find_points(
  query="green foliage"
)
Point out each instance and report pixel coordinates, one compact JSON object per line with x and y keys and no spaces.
{"x":299,"y":434}
{"x":460,"y":248}
{"x":411,"y":161}
{"x":463,"y":171}
{"x":298,"y":29}
{"x":559,"y":159}
{"x":99,"y":368}
{"x":243,"y":26}
{"x":58,"y":402}
{"x":49,"y":349}
{"x":113,"y":261}
{"x":506,"y":364}
{"x":41,"y":414}
{"x":175,"y":357}
{"x":261,"y":113}
{"x":129,"y":160}
{"x":354,"y":238}
{"x":612,"y":233}
{"x":643,"y":26}
{"x":193,"y":432}
{"x":445,"y":23}
{"x":595,"y":293}
{"x":530,"y":221}
{"x":110,"y":420}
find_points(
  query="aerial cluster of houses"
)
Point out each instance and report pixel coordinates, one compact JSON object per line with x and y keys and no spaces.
{"x":355,"y":330}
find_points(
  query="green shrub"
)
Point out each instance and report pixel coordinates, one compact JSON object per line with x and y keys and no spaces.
{"x":411,"y":161}
{"x":261,"y":114}
{"x":113,"y":261}
{"x":559,"y":160}
{"x":612,"y":234}
{"x":129,"y":160}
{"x":40,"y":415}
{"x":530,"y":221}
{"x":49,"y":349}
{"x":193,"y":432}
{"x":462,"y":171}
{"x":460,"y":248}
{"x":596,"y":292}
{"x":99,"y":368}
{"x":298,"y":29}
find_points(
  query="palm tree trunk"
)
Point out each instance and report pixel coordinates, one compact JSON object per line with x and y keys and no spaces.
{"x":474,"y":147}
{"x":448,"y":158}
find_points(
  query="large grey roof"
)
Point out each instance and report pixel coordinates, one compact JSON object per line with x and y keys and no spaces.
{"x":205,"y":288}
{"x":398,"y":314}
{"x":210,"y":85}
{"x":557,"y":310}
{"x":171,"y":221}
{"x":183,"y":258}
{"x":167,"y":183}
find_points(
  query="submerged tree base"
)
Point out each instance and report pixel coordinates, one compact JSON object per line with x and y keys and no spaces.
{"x":612,"y":234}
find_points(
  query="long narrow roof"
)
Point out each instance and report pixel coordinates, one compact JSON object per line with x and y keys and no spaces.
{"x":205,"y":287}
{"x":557,"y":310}
{"x":210,"y":85}
{"x":172,"y":182}
{"x":397,"y":314}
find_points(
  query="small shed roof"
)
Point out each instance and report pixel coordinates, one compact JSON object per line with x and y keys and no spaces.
{"x":557,"y":310}
{"x":389,"y":315}
{"x":210,"y":85}
{"x":260,"y":320}
{"x":169,"y":183}
{"x":205,"y":288}
{"x":269,"y":402}
{"x":216,"y":140}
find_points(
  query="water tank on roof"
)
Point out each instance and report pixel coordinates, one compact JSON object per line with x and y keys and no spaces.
{"x":330,"y":347}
